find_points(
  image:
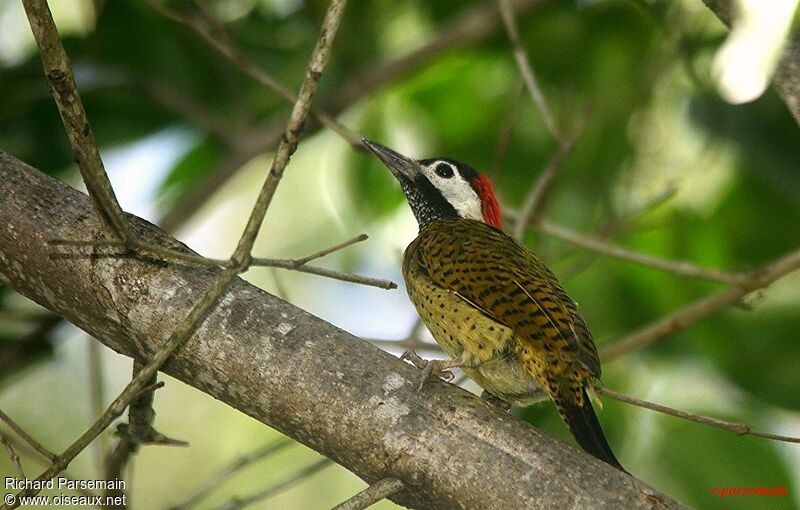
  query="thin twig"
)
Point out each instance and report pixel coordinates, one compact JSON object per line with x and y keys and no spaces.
{"x":13,"y":455}
{"x":536,"y":200}
{"x":521,"y":56}
{"x":327,"y":251}
{"x":681,"y":268}
{"x":225,"y":473}
{"x":240,"y":259}
{"x":288,"y":144}
{"x":739,"y":428}
{"x":37,"y":457}
{"x":172,"y":255}
{"x":701,"y":308}
{"x":238,"y":503}
{"x":379,"y":490}
{"x":36,"y":445}
{"x":139,"y":430}
{"x":613,"y":228}
{"x":58,"y":70}
{"x":328,"y":273}
{"x":230,"y":51}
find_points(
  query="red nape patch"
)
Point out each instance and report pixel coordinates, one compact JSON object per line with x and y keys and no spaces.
{"x":489,"y":205}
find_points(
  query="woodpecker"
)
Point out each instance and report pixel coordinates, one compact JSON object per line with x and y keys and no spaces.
{"x":493,"y":306}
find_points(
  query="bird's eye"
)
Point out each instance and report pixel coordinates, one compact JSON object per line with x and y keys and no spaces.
{"x":444,"y":170}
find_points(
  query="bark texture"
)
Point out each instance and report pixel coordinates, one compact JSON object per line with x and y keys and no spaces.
{"x":292,"y":371}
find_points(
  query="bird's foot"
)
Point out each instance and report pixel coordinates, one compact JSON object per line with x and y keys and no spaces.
{"x":435,"y":368}
{"x":495,"y":401}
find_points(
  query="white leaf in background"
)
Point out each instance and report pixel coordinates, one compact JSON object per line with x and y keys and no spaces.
{"x":744,"y":65}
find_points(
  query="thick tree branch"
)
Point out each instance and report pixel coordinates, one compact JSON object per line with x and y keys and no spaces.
{"x":321,"y":386}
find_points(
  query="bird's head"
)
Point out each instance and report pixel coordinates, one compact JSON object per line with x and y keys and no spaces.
{"x":440,"y":188}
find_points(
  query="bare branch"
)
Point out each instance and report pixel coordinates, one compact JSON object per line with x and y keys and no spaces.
{"x":288,"y":144}
{"x":58,"y":70}
{"x":701,"y":308}
{"x":230,"y":51}
{"x":139,"y":430}
{"x":681,"y":268}
{"x":301,"y":475}
{"x":521,"y":56}
{"x":739,"y":428}
{"x":327,"y":251}
{"x":234,"y":467}
{"x":328,"y":273}
{"x":36,"y":445}
{"x":379,"y":490}
{"x":13,"y":456}
{"x":160,"y":252}
{"x":535,"y":202}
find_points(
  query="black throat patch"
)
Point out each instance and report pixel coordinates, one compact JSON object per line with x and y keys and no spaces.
{"x":427,"y":202}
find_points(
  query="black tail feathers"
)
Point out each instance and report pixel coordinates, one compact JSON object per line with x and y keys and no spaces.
{"x":582,"y":422}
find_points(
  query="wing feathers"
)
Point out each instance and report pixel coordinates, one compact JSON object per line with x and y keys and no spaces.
{"x":508,"y":283}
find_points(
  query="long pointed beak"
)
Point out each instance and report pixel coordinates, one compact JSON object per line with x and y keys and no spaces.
{"x":401,"y":166}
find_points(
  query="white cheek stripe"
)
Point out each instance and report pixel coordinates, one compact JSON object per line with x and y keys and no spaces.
{"x":459,"y":194}
{"x":467,"y":206}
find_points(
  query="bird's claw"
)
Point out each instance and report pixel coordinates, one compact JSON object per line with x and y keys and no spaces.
{"x":435,"y":368}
